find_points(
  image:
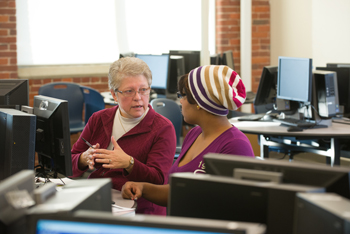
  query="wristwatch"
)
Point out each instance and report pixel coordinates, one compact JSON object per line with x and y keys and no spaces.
{"x":131,"y":162}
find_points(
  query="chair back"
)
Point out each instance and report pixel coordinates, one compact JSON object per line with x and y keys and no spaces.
{"x":73,"y":94}
{"x":93,"y":101}
{"x":170,"y":110}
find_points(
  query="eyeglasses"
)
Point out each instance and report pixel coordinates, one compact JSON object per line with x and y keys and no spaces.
{"x":131,"y":92}
{"x":179,"y":95}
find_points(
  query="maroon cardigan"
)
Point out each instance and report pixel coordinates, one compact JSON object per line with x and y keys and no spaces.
{"x":152,"y":143}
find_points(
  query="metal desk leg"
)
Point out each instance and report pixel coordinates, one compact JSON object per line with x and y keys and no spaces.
{"x":264,"y":148}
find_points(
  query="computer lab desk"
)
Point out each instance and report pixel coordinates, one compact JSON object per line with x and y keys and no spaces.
{"x":271,"y":134}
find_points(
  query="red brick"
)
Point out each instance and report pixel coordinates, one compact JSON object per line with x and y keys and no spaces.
{"x":261,"y":9}
{"x":3,"y":47}
{"x":8,"y":68}
{"x":4,"y":75}
{"x":4,"y":61}
{"x":4,"y":18}
{"x":7,"y":25}
{"x":95,"y":79}
{"x":8,"y":40}
{"x":13,"y":75}
{"x":12,"y":4}
{"x":7,"y":11}
{"x":4,"y":32}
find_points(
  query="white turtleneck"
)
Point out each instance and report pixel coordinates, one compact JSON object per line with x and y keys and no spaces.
{"x":120,"y":122}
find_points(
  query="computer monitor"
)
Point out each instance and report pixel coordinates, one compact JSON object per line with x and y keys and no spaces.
{"x":224,"y":198}
{"x":333,"y":179}
{"x":265,"y":98}
{"x":129,"y":54}
{"x":322,"y":213}
{"x":343,"y":79}
{"x":176,"y":70}
{"x":17,"y":141}
{"x":294,"y":79}
{"x":14,"y":93}
{"x":215,"y":59}
{"x":338,"y":64}
{"x":52,"y":136}
{"x":227,"y":59}
{"x":192,"y":58}
{"x":12,"y":209}
{"x":159,"y":66}
{"x":94,"y":222}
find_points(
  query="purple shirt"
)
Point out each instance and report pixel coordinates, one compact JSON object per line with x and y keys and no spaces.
{"x":232,"y":141}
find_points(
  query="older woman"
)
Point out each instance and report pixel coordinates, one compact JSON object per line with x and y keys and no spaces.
{"x":131,"y":141}
{"x":207,"y":93}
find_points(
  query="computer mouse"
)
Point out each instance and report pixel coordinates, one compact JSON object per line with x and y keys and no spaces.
{"x":267,"y":117}
{"x":294,"y":129}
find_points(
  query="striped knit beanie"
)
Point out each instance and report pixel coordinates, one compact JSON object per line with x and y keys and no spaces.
{"x":217,"y":89}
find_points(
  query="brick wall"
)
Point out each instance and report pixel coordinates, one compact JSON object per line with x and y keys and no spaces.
{"x":260,"y":39}
{"x":228,"y":34}
{"x":8,"y":39}
{"x":228,"y":29}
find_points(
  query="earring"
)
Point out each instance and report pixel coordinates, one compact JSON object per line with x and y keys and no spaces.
{"x":198,"y":107}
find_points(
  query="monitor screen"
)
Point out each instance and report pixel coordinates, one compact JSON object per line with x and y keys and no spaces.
{"x":14,"y":92}
{"x":159,"y":65}
{"x":227,"y":59}
{"x":333,"y":179}
{"x":294,"y":79}
{"x":343,"y":80}
{"x":266,"y":94}
{"x":102,"y":222}
{"x":192,"y":58}
{"x":52,"y":136}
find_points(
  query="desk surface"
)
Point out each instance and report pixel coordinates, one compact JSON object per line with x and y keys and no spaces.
{"x":275,"y":129}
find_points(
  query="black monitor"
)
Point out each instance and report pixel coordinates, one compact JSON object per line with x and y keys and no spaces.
{"x":215,"y":59}
{"x":159,"y":66}
{"x":12,"y":210}
{"x":14,"y":93}
{"x":224,"y":198}
{"x":333,"y":179}
{"x":266,"y":94}
{"x":94,"y":222}
{"x":322,"y":213}
{"x":17,"y":141}
{"x":192,"y":58}
{"x":338,"y":64}
{"x":227,"y":59}
{"x":52,"y":136}
{"x":343,"y":80}
{"x":128,"y":54}
{"x":294,"y":79}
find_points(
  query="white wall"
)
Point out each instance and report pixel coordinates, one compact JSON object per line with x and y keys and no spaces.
{"x":318,"y":29}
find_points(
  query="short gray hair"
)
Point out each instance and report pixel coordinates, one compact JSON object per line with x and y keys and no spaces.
{"x":125,"y":67}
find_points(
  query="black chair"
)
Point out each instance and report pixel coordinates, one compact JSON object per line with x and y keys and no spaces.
{"x":73,"y":94}
{"x":170,"y":110}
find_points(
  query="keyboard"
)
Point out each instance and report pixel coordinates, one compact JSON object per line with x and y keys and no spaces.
{"x":253,"y":117}
{"x":295,"y":122}
{"x":342,"y":121}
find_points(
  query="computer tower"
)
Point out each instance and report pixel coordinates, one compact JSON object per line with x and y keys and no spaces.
{"x":343,"y":80}
{"x":325,"y":93}
{"x":17,"y":141}
{"x":321,"y":213}
{"x":177,"y":69}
